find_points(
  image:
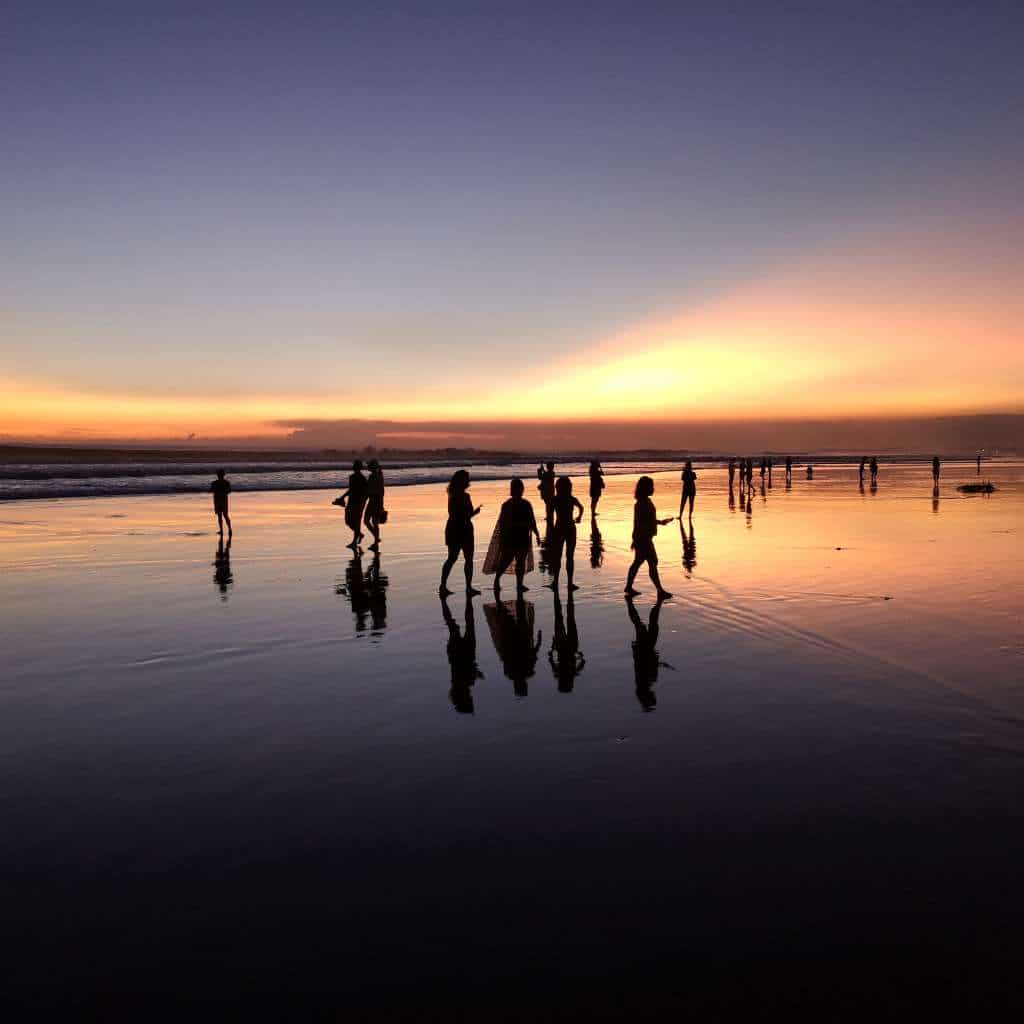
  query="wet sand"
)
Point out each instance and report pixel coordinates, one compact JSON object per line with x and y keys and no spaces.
{"x":249,"y":779}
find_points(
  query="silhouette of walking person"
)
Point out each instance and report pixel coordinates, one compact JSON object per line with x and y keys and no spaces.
{"x":874,"y":471}
{"x":810,"y":471}
{"x":461,"y":650}
{"x":789,"y":469}
{"x":860,"y":471}
{"x":750,"y":474}
{"x":565,"y":657}
{"x":732,"y":472}
{"x":222,"y":574}
{"x":979,"y":463}
{"x":546,"y":487}
{"x":375,"y":514}
{"x":510,"y":544}
{"x":514,"y":643}
{"x":645,"y":526}
{"x":596,"y":486}
{"x":764,"y":468}
{"x":563,"y":532}
{"x":458,"y":531}
{"x":689,"y":547}
{"x":689,"y":488}
{"x":646,"y":660}
{"x":769,"y":471}
{"x":936,"y":469}
{"x":221,"y":488}
{"x":353,"y":502}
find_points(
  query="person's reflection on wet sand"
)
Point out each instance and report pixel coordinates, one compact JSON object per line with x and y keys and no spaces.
{"x":689,"y":547}
{"x":222,"y":575}
{"x":565,"y":657}
{"x":646,"y":661}
{"x":511,"y":627}
{"x":732,"y":498}
{"x":596,"y":546}
{"x":935,"y":498}
{"x":367,"y":594}
{"x":750,"y":509}
{"x":461,"y":651}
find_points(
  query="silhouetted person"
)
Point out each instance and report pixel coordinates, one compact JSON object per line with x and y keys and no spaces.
{"x":458,"y":531}
{"x":222,"y":567}
{"x":769,"y":471}
{"x":860,"y":471}
{"x":567,"y":513}
{"x":764,"y":468}
{"x":874,"y":471}
{"x":810,"y":471}
{"x":353,"y":501}
{"x":596,"y":546}
{"x":512,"y":634}
{"x":979,"y":463}
{"x":645,"y":526}
{"x":689,"y":547}
{"x":646,"y":661}
{"x":936,"y":469}
{"x":462,"y":657}
{"x":789,"y":469}
{"x":750,"y":473}
{"x":689,"y":488}
{"x":565,"y":657}
{"x":596,"y":486}
{"x":732,"y":472}
{"x":221,"y":488}
{"x":546,"y":487}
{"x":375,"y":514}
{"x":510,"y":545}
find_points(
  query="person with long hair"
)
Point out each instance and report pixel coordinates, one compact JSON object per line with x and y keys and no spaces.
{"x":374,"y":502}
{"x":645,"y":526}
{"x":689,"y":488}
{"x":458,"y":531}
{"x":563,"y":532}
{"x":510,"y":544}
{"x":596,"y":486}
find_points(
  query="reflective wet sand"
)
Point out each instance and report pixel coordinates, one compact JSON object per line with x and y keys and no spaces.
{"x":280,"y":762}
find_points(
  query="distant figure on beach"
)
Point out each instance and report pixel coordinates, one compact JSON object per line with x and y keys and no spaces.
{"x":511,"y":545}
{"x":979,"y":463}
{"x":689,"y":488}
{"x":375,"y":514}
{"x":689,"y":547}
{"x":546,"y":476}
{"x":458,"y":531}
{"x":222,"y":576}
{"x":789,"y":469}
{"x":645,"y":526}
{"x":874,"y":471}
{"x":221,"y":488}
{"x":936,"y":469}
{"x":596,"y":486}
{"x":353,"y":501}
{"x":764,"y":467}
{"x":565,"y":658}
{"x":646,"y":660}
{"x":863,"y":465}
{"x":750,"y":474}
{"x":462,"y":657}
{"x":769,"y":471}
{"x":732,"y":472}
{"x":810,"y":471}
{"x":512,"y":635}
{"x":563,"y":532}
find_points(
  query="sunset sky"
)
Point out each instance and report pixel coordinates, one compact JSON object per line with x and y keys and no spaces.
{"x":230,"y":220}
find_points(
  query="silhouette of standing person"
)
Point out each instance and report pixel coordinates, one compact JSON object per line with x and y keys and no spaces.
{"x":764,"y":468}
{"x":353,"y":501}
{"x":512,"y":635}
{"x":546,"y":476}
{"x":979,"y":463}
{"x":565,"y":658}
{"x":645,"y":526}
{"x":689,"y":547}
{"x":860,"y":471}
{"x":769,"y":471}
{"x":874,"y":471}
{"x":510,"y":544}
{"x":936,"y":469}
{"x":221,"y":488}
{"x":689,"y":488}
{"x":222,"y":575}
{"x":646,"y":660}
{"x":374,"y":502}
{"x":458,"y":531}
{"x":732,"y":472}
{"x":461,"y":650}
{"x":596,"y":486}
{"x":563,"y":532}
{"x":750,"y":474}
{"x":810,"y":471}
{"x":789,"y":469}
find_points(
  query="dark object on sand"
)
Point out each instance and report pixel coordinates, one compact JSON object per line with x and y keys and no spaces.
{"x":985,"y":488}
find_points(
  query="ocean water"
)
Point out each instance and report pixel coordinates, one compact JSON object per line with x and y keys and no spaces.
{"x":283,"y":776}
